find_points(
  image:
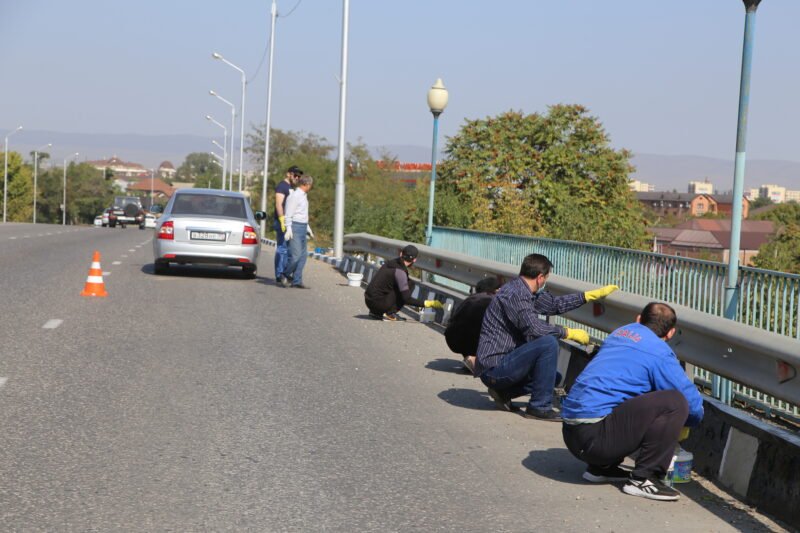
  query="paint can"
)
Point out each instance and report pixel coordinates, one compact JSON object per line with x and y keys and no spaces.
{"x":682,"y":471}
{"x":354,"y":279}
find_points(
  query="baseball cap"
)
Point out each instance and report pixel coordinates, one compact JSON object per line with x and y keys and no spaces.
{"x":410,"y":252}
{"x":294,"y":169}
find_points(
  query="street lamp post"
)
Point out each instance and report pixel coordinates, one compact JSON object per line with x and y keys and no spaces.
{"x":233,"y":126}
{"x":64,"y":210}
{"x":224,"y":148}
{"x":273,"y":17}
{"x":215,"y":55}
{"x":437,"y":101}
{"x":216,"y":163}
{"x":36,"y":176}
{"x":338,"y":213}
{"x":220,"y":161}
{"x":5,"y":173}
{"x":721,"y":388}
{"x":152,"y":179}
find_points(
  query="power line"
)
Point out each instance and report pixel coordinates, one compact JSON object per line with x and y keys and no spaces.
{"x":266,"y":48}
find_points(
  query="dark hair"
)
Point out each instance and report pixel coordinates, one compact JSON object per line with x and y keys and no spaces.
{"x":294,"y":169}
{"x":658,"y":317}
{"x":487,"y":285}
{"x":535,"y":264}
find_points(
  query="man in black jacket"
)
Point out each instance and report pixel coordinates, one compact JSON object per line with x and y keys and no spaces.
{"x":464,"y":328}
{"x":391,"y":288}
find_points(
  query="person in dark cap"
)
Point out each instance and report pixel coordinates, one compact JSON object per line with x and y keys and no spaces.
{"x":391,"y":288}
{"x":464,"y":327}
{"x":282,"y":191}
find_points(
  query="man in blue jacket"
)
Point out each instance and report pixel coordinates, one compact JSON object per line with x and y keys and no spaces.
{"x":633,"y":395}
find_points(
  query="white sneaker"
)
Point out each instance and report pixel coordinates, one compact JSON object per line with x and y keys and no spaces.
{"x":652,"y":489}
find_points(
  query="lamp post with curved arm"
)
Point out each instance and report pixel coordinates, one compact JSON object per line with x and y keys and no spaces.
{"x":233,"y":125}
{"x":36,"y":176}
{"x":5,"y":172}
{"x":224,"y":148}
{"x":64,"y":210}
{"x":437,"y":101}
{"x":215,"y":55}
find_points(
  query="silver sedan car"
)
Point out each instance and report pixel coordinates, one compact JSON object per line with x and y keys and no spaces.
{"x":208,"y":226}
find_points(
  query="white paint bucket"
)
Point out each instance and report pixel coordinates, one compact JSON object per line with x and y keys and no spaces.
{"x":682,"y":471}
{"x":354,"y":279}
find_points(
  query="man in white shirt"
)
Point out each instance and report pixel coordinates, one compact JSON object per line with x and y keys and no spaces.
{"x":297,"y":228}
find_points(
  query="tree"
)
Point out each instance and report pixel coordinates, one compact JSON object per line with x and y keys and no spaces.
{"x":761,"y":201}
{"x":20,"y":189}
{"x":553,"y":175}
{"x":202,"y":169}
{"x":782,"y":252}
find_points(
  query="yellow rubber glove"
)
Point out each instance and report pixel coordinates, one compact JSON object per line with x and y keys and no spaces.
{"x":577,"y":335}
{"x":600,"y":293}
{"x":684,"y":434}
{"x":434,"y":304}
{"x":282,"y":220}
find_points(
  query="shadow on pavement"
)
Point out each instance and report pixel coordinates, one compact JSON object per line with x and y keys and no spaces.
{"x":557,"y":464}
{"x":451,"y":366}
{"x":198,"y":271}
{"x":468,"y":399}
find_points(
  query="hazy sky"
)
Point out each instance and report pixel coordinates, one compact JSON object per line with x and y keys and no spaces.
{"x":663,"y":76}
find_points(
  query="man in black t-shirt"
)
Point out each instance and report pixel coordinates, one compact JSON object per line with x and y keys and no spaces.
{"x":282,"y":191}
{"x":464,"y":327}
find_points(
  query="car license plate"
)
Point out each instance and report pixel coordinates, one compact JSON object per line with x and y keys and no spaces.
{"x":207,"y":236}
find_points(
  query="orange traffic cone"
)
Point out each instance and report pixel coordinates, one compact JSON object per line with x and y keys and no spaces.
{"x":94,"y":282}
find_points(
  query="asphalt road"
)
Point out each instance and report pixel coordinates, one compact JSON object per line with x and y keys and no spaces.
{"x":202,"y":401}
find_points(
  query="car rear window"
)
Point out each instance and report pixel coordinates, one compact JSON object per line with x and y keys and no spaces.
{"x":204,"y":204}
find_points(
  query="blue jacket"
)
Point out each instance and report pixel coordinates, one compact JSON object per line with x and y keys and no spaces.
{"x":632,"y":362}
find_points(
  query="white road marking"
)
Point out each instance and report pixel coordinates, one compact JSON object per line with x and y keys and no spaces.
{"x":3,"y":382}
{"x":53,"y":323}
{"x":48,"y":233}
{"x":124,"y":256}
{"x":131,"y":250}
{"x":106,"y":273}
{"x":12,"y":238}
{"x":117,"y":262}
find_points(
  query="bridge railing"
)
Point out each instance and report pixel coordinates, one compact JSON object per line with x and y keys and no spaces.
{"x":763,"y":364}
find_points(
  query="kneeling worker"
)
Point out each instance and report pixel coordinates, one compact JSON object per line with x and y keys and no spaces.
{"x":633,"y":395}
{"x":464,"y":328}
{"x":391,"y":288}
{"x":518,"y":351}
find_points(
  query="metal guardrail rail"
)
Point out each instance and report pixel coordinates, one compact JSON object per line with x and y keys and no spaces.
{"x":762,"y":360}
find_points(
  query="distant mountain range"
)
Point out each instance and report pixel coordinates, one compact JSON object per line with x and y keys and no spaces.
{"x":665,"y":172}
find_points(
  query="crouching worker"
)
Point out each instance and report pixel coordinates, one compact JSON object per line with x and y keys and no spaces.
{"x":464,"y":328}
{"x":633,"y":395}
{"x":518,"y":351}
{"x":391,"y":288}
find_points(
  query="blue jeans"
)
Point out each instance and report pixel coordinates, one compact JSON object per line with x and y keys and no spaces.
{"x":281,"y":252}
{"x":298,"y":253}
{"x":528,"y":369}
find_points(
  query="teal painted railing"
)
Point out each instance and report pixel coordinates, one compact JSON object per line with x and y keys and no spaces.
{"x":769,"y":300}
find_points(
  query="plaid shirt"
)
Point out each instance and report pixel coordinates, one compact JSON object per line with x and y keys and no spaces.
{"x":512,"y":319}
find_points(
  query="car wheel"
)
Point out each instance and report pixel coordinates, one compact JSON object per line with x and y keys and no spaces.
{"x":249,"y":271}
{"x":141,"y":226}
{"x":161,"y":267}
{"x":112,"y":224}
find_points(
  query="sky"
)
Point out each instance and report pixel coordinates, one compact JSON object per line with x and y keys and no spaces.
{"x":663,"y":77}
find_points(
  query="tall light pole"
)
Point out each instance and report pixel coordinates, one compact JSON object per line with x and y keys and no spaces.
{"x":273,"y":17}
{"x":64,"y":210}
{"x":338,"y":217}
{"x":721,"y":388}
{"x":5,"y":172}
{"x":224,"y":148}
{"x":36,"y":176}
{"x":437,"y":101}
{"x":215,"y":55}
{"x":216,"y":163}
{"x":233,"y":126}
{"x":152,"y":179}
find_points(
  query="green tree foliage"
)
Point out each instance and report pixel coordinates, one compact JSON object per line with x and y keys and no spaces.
{"x":761,"y":201}
{"x":782,"y":252}
{"x":20,"y":188}
{"x":88,"y":193}
{"x":553,"y":175}
{"x":201,"y":169}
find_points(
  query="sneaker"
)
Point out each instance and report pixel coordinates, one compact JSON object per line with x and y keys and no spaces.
{"x":599,"y":474}
{"x":393,"y":317}
{"x":469,"y":364}
{"x":548,"y":415}
{"x":375,"y":316}
{"x":502,"y":403}
{"x":652,"y":489}
{"x":283,"y":282}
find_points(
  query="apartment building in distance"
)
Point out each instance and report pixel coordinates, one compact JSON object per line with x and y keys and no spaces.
{"x":701,"y":187}
{"x":689,"y":204}
{"x":640,"y":186}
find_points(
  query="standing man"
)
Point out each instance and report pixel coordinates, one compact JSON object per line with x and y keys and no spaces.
{"x":282,"y":191}
{"x":297,"y":229}
{"x":517,"y":351}
{"x":391,"y":288}
{"x":464,"y":327}
{"x":633,"y":395}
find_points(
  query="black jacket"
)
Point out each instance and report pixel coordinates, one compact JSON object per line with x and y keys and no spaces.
{"x":392,"y":282}
{"x":464,"y":328}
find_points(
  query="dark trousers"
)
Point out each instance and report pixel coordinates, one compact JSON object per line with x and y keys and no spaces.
{"x":528,"y":369}
{"x":386,"y":304}
{"x":650,"y":423}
